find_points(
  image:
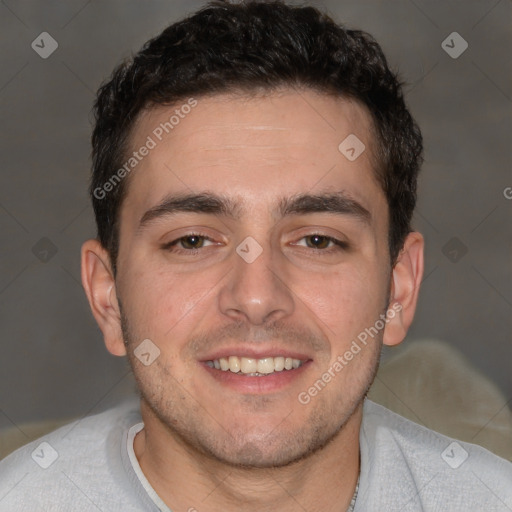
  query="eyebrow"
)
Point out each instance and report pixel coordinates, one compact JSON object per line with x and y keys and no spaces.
{"x":301,"y":204}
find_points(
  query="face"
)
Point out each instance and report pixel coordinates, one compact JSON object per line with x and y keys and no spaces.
{"x":249,"y":241}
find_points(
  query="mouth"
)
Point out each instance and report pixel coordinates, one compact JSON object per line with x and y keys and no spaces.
{"x":256,"y":370}
{"x":251,"y":375}
{"x":253,"y":367}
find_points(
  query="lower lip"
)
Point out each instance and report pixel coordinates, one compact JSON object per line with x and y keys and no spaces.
{"x":257,"y":385}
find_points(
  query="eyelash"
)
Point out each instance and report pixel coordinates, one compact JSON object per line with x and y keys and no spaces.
{"x":339,"y":245}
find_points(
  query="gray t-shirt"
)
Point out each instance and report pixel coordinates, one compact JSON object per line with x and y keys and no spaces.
{"x":89,"y":465}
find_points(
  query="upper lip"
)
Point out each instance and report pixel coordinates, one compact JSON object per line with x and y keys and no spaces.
{"x":254,"y":353}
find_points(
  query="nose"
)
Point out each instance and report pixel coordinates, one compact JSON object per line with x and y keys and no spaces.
{"x":256,"y":291}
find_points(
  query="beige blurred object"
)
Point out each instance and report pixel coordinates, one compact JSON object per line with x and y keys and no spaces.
{"x":427,"y":381}
{"x":14,"y":437}
{"x":433,"y":384}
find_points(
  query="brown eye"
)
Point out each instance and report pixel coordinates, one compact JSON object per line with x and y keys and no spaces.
{"x":318,"y":241}
{"x":188,"y":243}
{"x":322,"y":243}
{"x":192,"y":241}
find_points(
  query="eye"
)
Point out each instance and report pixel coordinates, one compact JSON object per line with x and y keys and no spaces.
{"x":190,"y":242}
{"x":322,"y":242}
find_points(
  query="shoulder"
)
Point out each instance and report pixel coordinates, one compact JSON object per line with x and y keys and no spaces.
{"x":412,"y":464}
{"x":69,"y":463}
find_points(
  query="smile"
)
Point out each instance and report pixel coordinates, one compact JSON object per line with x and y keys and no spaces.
{"x":255,"y":367}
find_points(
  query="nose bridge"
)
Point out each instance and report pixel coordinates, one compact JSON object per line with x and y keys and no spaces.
{"x":255,"y":292}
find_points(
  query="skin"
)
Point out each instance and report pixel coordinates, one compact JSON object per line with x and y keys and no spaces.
{"x":206,"y":445}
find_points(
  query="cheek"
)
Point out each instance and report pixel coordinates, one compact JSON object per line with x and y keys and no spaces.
{"x":160,"y":304}
{"x":347,"y":301}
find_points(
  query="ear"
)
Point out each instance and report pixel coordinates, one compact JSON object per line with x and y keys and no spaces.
{"x":100,"y":288}
{"x":405,"y":285}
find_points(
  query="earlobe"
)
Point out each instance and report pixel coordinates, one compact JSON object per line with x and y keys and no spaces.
{"x":100,"y":287}
{"x":406,"y":279}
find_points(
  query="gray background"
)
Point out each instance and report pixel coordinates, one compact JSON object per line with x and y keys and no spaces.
{"x":53,"y":362}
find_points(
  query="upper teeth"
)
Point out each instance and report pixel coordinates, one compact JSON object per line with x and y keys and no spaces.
{"x":250,"y":365}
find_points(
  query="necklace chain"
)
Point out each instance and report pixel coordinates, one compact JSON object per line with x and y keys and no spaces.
{"x":354,"y":498}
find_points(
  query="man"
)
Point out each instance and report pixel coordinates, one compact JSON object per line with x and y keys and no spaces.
{"x":254,"y":178}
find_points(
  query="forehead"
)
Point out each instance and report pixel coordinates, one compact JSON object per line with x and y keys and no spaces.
{"x":253,"y":148}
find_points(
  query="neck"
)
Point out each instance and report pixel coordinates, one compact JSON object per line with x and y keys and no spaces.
{"x":188,"y":480}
